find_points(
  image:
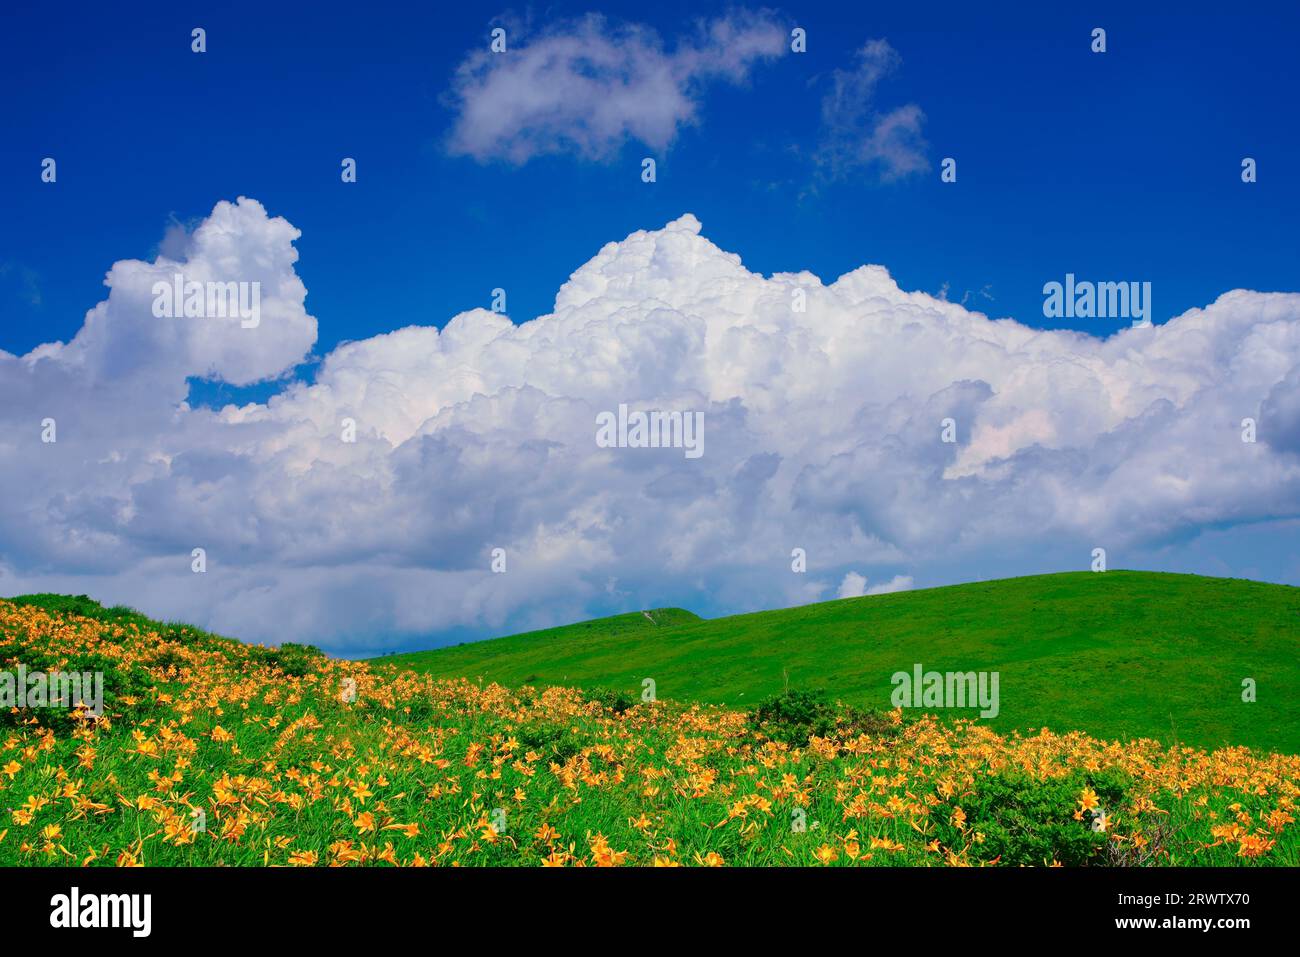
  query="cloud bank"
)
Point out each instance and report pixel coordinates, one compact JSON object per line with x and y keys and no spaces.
{"x":823,"y":428}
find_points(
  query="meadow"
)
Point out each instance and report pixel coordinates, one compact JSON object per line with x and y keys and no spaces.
{"x":1120,"y":654}
{"x":213,"y":752}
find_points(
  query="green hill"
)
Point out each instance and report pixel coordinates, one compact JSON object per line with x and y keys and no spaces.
{"x":209,"y":752}
{"x":1117,"y":654}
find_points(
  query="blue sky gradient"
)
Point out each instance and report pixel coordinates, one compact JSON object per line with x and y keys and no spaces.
{"x":1115,"y":165}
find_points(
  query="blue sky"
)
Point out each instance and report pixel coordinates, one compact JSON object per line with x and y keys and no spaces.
{"x":1112,"y":165}
{"x":1117,"y":166}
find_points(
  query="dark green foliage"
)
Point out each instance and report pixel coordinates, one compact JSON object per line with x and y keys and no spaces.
{"x":796,"y":716}
{"x":551,"y":742}
{"x":120,"y":682}
{"x":167,"y":657}
{"x":610,"y":700}
{"x":292,"y":659}
{"x":1028,"y":820}
{"x":418,"y":711}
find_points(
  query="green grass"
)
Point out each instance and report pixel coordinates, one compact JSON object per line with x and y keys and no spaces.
{"x":287,"y":768}
{"x":1117,"y":654}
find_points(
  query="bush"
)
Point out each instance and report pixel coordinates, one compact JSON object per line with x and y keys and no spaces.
{"x":292,"y":659}
{"x":615,"y":701}
{"x":120,"y":681}
{"x":1030,"y":821}
{"x":167,"y":658}
{"x":797,"y":716}
{"x":419,"y":710}
{"x":552,"y":743}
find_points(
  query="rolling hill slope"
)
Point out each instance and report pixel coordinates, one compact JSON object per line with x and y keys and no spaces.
{"x":215,"y":753}
{"x":1118,"y":654}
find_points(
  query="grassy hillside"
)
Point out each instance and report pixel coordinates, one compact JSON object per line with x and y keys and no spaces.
{"x":1118,"y":654}
{"x":213,"y":752}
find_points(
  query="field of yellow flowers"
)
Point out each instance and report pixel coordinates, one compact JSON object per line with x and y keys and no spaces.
{"x":212,"y":752}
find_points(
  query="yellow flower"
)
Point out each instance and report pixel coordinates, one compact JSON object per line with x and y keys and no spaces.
{"x":361,"y":792}
{"x":826,"y":854}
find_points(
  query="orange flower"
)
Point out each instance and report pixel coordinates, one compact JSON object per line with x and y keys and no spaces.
{"x":360,"y":791}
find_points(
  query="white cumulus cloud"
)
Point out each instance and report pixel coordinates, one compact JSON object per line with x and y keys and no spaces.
{"x":823,"y":432}
{"x":897,"y":583}
{"x":853,"y":585}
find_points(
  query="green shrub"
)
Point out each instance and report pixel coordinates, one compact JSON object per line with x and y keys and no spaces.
{"x":797,"y":716}
{"x":615,"y":701}
{"x":167,"y":658}
{"x":551,"y":742}
{"x":1028,"y":820}
{"x":120,"y":682}
{"x":419,"y":710}
{"x":292,"y":659}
